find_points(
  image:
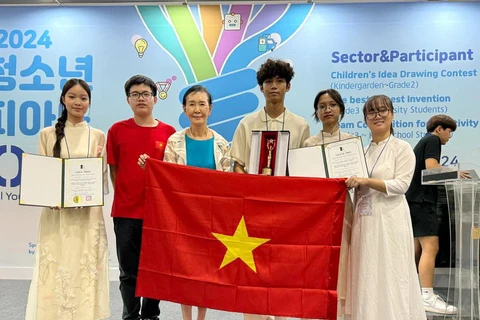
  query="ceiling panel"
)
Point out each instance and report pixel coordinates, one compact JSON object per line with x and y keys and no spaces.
{"x":143,"y":2}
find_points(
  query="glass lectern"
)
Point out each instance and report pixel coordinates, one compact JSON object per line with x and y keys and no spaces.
{"x":463,"y":195}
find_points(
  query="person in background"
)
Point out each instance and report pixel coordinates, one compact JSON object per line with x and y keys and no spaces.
{"x":422,"y":201}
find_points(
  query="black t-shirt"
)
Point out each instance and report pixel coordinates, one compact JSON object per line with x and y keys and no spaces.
{"x":428,"y":147}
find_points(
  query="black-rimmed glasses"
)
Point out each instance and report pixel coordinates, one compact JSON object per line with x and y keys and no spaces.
{"x":373,"y":114}
{"x":145,"y":95}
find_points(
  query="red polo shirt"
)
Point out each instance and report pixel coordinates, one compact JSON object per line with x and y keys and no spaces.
{"x":126,"y":141}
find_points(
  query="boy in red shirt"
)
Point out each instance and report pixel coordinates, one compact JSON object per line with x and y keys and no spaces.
{"x":126,"y":141}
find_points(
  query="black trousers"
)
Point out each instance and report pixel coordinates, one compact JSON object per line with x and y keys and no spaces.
{"x":128,"y":233}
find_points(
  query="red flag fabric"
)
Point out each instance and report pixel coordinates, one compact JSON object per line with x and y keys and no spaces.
{"x":242,"y":243}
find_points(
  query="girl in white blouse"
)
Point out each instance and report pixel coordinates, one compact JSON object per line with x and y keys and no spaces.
{"x":383,"y":278}
{"x":329,"y":109}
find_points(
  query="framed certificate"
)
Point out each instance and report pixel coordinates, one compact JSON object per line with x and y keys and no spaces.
{"x":63,"y":183}
{"x":268,"y":152}
{"x":339,"y":159}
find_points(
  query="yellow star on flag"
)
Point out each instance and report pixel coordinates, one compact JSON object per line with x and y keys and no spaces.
{"x":240,"y":246}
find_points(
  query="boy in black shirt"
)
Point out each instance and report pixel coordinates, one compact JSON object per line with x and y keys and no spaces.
{"x":422,"y":201}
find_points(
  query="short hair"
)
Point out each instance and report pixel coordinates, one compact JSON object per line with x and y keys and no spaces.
{"x":446,"y":122}
{"x":374,"y":102}
{"x":140,"y":79}
{"x":273,"y":68}
{"x":335,"y":95}
{"x":195,"y":89}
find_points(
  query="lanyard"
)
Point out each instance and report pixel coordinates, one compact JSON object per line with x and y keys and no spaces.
{"x":88,"y":150}
{"x":283,"y":121}
{"x":339,"y":138}
{"x":371,"y":172}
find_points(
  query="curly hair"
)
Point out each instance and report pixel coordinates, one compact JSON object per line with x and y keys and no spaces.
{"x":273,"y":68}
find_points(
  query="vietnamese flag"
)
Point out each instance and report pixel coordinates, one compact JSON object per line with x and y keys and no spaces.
{"x":242,"y":243}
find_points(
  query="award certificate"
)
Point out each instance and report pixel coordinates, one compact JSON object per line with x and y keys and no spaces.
{"x":63,"y":183}
{"x":339,"y":159}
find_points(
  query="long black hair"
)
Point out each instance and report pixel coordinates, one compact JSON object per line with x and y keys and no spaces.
{"x":60,"y":125}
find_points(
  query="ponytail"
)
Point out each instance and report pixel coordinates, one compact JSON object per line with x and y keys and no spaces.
{"x":60,"y":132}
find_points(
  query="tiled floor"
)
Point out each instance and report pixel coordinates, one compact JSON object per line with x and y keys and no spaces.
{"x":13,"y":301}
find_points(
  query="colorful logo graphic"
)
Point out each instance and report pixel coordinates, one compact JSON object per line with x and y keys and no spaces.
{"x":232,"y":22}
{"x":268,"y":42}
{"x":163,"y":87}
{"x":140,"y":45}
{"x":201,"y":41}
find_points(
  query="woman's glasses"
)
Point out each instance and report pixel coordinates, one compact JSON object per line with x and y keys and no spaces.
{"x":373,"y":114}
{"x":322,"y":108}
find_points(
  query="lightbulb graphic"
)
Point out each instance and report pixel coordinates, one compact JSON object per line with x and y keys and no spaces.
{"x":140,"y":45}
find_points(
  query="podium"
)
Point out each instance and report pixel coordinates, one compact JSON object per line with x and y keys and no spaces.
{"x":463,"y":198}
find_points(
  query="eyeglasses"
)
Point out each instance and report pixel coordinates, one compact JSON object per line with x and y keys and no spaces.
{"x":373,"y":114}
{"x":332,"y":107}
{"x":136,"y":95}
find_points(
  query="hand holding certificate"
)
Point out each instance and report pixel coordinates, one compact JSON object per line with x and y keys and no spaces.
{"x":345,"y":158}
{"x":340,"y":159}
{"x":63,"y":183}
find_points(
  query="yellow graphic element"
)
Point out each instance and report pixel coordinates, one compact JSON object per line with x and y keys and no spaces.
{"x":240,"y":246}
{"x":476,"y":233}
{"x":212,"y":25}
{"x":141,"y":45}
{"x":163,"y":87}
{"x":24,"y":155}
{"x":77,"y":199}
